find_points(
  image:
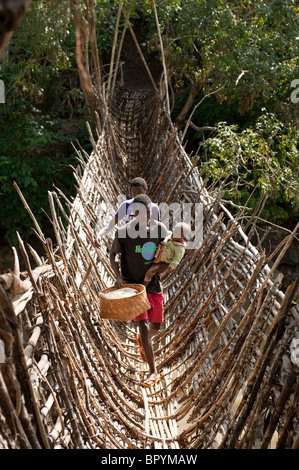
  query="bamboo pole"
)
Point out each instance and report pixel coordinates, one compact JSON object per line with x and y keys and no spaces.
{"x":163,"y":57}
{"x":140,"y":52}
{"x":120,"y":8}
{"x":121,"y":45}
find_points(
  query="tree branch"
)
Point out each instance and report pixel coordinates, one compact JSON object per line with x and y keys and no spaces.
{"x":85,"y":32}
{"x":201,"y":129}
{"x":195,"y":89}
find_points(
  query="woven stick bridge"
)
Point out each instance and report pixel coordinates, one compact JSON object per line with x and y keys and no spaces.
{"x":227,"y":350}
{"x":228,"y":378}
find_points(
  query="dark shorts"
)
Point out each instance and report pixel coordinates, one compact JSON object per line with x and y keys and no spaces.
{"x":156,"y":313}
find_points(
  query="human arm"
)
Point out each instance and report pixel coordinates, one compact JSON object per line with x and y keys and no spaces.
{"x":159,"y":268}
{"x":115,"y":249}
{"x":100,"y":233}
{"x":119,"y":215}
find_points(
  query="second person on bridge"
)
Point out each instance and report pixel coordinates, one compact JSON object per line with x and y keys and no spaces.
{"x":137,"y":242}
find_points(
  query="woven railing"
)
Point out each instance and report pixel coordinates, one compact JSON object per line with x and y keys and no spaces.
{"x":227,"y":350}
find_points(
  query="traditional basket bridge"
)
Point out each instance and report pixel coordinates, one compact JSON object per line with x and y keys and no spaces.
{"x":229,"y":379}
{"x":227,"y":350}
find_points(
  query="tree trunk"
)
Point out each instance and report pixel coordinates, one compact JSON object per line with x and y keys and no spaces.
{"x":85,"y":33}
{"x":12,"y":13}
{"x":195,"y":89}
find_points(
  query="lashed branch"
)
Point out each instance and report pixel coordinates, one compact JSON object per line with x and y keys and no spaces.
{"x":224,"y":354}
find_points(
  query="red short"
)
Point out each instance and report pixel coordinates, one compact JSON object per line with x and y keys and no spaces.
{"x":155,"y":313}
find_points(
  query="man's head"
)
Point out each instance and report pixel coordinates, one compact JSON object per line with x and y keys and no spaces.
{"x":138,"y":186}
{"x":142,"y":206}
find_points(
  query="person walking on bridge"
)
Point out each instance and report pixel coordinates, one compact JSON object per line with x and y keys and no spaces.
{"x":137,"y":242}
{"x":124,"y":212}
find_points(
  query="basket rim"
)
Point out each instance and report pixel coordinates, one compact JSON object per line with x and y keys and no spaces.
{"x":138,"y":286}
{"x":123,"y":309}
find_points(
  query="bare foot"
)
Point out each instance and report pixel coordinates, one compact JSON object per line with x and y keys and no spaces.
{"x":151,"y":380}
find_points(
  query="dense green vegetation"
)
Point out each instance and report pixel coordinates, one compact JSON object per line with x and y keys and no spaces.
{"x":230,"y":67}
{"x":44,"y":112}
{"x":237,"y":60}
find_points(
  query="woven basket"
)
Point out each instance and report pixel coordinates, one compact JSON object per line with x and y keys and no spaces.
{"x":124,"y":309}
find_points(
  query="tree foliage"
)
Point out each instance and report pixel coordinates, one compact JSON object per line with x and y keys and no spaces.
{"x":44,"y":112}
{"x":259,"y":159}
{"x":247,"y":48}
{"x":230,"y":66}
{"x":236,"y":61}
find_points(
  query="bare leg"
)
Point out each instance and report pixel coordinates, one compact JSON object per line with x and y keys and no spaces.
{"x":155,"y":268}
{"x":154,"y":328}
{"x":147,"y":346}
